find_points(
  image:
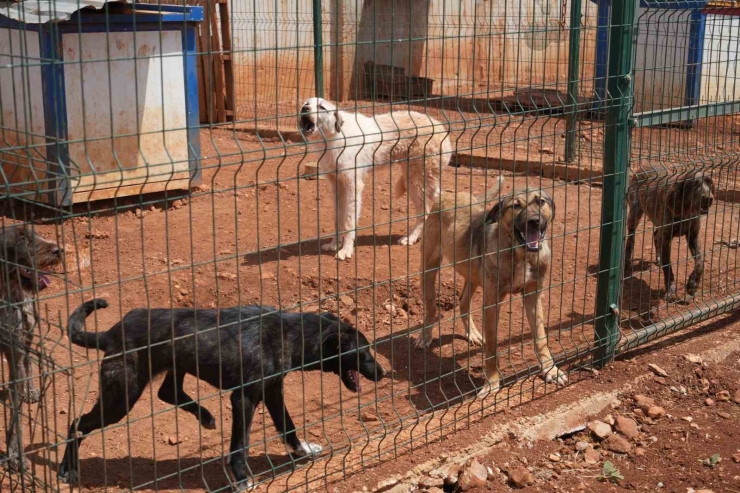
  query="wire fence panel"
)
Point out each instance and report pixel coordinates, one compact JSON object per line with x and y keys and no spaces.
{"x":685,"y":159}
{"x":239,"y":252}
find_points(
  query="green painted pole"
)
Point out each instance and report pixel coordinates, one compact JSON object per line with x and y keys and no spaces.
{"x":318,"y":52}
{"x":574,"y":52}
{"x":616,"y":159}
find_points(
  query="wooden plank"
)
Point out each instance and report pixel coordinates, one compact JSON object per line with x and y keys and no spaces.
{"x":125,"y":191}
{"x":218,"y":63}
{"x":229,"y":103}
{"x":202,"y":100}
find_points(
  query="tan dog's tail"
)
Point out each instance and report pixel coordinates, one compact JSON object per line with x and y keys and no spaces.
{"x":493,"y":193}
{"x":399,"y":190}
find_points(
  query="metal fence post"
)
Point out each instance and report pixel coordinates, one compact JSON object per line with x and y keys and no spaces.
{"x":616,"y":159}
{"x":318,"y":46}
{"x":574,"y":51}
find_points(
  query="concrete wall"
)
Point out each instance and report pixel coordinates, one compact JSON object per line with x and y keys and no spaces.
{"x":466,"y":46}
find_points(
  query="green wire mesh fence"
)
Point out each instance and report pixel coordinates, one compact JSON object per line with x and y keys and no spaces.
{"x":172,"y":161}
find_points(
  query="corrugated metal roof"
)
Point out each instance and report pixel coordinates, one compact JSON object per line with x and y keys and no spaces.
{"x":42,"y":11}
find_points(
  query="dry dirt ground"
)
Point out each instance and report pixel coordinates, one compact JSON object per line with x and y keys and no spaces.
{"x":250,"y":234}
{"x":675,"y":433}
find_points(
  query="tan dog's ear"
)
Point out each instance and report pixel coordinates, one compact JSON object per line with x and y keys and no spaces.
{"x":495,"y":213}
{"x":338,"y":122}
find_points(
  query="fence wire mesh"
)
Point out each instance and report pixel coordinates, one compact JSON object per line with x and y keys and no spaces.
{"x":171,"y":160}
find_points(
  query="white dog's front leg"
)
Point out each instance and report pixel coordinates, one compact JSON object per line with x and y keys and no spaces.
{"x":335,"y":242}
{"x":349,"y":202}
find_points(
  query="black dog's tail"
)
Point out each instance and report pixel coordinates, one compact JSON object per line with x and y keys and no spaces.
{"x":76,"y":325}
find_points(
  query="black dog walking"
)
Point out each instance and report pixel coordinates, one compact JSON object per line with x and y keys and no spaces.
{"x":247,"y":350}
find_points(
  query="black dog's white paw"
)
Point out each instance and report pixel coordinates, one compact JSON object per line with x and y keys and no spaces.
{"x":307,"y":449}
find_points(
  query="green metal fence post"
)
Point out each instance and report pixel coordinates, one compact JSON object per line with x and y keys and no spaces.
{"x":318,"y":45}
{"x":574,"y":52}
{"x":616,"y":159}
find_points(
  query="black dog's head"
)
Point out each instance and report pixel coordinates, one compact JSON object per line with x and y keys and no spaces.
{"x":25,"y":256}
{"x":346,"y":352}
{"x":525,"y":215}
{"x":692,"y":195}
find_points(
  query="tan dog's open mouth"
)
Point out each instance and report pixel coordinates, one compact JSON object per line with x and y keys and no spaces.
{"x":532,"y":239}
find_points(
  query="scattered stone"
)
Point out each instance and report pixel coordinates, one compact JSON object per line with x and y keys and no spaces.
{"x":62,"y":411}
{"x":736,"y":397}
{"x":591,"y":456}
{"x":723,"y":415}
{"x":703,"y":490}
{"x":427,"y":483}
{"x":616,"y":403}
{"x":660,"y":380}
{"x":644,"y":402}
{"x":693,"y":358}
{"x":452,"y":475}
{"x":555,"y":458}
{"x":227,"y":276}
{"x":347,"y":300}
{"x":391,"y":309}
{"x":694,"y":426}
{"x":657,"y":370}
{"x":688,"y":419}
{"x":519,"y":477}
{"x":627,"y":427}
{"x":600,"y":429}
{"x":434,"y":489}
{"x":723,"y":396}
{"x":609,"y":419}
{"x":96,"y":234}
{"x":400,"y":488}
{"x":709,"y":402}
{"x":173,"y":440}
{"x":616,"y":443}
{"x":368,"y":416}
{"x":267,"y":275}
{"x":736,"y":457}
{"x":640,"y":452}
{"x":655,"y":412}
{"x":474,"y":476}
{"x":582,"y":445}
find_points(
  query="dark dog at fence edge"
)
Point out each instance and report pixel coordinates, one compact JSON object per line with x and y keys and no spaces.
{"x":255,"y":346}
{"x":675,"y":205}
{"x":24,"y":255}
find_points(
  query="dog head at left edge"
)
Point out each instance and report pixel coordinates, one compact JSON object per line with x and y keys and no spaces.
{"x":31,"y":255}
{"x":319,"y":117}
{"x":346,"y":352}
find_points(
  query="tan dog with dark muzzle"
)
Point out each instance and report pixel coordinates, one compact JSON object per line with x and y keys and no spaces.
{"x":505,"y":251}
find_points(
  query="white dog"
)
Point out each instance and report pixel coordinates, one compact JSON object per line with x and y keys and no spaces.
{"x":353,"y":143}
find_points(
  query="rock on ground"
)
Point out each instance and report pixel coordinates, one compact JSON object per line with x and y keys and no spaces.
{"x":600,"y":429}
{"x":519,"y":477}
{"x":627,"y":427}
{"x":616,"y":443}
{"x":474,"y":476}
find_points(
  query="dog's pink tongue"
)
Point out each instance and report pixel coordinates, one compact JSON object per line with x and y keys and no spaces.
{"x":44,"y":280}
{"x":533,"y":238}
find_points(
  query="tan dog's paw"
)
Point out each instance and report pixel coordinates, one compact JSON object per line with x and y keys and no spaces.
{"x":475,"y":337}
{"x":422,"y":342}
{"x":554,"y":375}
{"x":489,"y":388}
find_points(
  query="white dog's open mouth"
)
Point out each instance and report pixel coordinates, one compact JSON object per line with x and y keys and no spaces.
{"x":307,"y":126}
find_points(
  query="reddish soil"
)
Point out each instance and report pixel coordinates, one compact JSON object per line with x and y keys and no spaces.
{"x":251,"y":234}
{"x":668,"y":454}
